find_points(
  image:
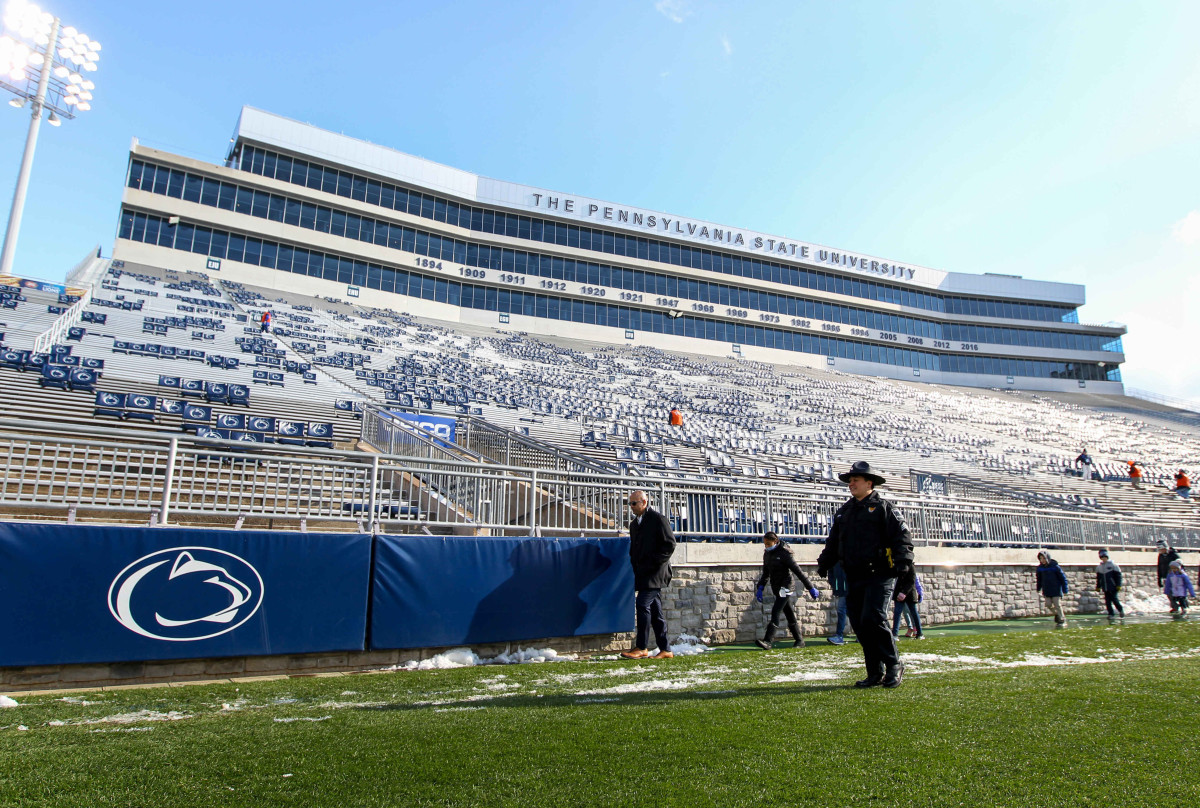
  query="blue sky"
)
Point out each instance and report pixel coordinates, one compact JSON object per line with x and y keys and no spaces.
{"x":1058,"y":141}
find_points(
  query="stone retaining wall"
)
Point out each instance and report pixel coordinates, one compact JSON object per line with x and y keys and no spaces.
{"x":717,"y":603}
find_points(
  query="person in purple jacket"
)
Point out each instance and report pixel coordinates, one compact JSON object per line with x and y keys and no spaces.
{"x":1177,"y":586}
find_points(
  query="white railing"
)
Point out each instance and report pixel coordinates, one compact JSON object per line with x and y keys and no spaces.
{"x":97,"y":474}
{"x":67,"y":320}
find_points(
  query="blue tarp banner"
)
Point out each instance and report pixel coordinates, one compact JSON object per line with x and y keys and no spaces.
{"x":441,"y":425}
{"x":438,"y":591}
{"x":73,"y":594}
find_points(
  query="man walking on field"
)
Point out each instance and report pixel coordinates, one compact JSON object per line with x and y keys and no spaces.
{"x":870,"y":538}
{"x":651,"y":543}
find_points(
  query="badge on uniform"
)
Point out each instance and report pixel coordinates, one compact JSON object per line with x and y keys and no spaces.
{"x":871,"y":509}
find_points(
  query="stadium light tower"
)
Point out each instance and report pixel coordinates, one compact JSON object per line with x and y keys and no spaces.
{"x":43,"y":62}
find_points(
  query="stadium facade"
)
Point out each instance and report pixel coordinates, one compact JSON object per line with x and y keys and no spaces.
{"x":301,"y":209}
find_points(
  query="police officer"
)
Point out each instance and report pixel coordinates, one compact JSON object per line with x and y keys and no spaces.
{"x":871,"y":540}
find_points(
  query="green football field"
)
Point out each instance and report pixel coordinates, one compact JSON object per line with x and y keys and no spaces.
{"x":1093,"y":716}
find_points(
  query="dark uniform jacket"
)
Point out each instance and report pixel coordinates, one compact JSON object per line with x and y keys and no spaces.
{"x":778,"y":566}
{"x":1164,"y":564}
{"x":650,"y":547}
{"x":869,"y":537}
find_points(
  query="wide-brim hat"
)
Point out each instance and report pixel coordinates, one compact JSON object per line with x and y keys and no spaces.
{"x":862,"y":469}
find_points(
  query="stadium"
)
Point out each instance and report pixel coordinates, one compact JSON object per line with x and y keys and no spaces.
{"x":315,"y":374}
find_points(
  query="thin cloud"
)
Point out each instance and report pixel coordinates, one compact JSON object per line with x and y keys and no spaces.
{"x":727,"y":46}
{"x":1187,"y":229}
{"x":673,"y":10}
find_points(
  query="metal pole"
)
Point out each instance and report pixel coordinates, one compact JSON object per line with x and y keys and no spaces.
{"x":35,"y":124}
{"x":164,"y":510}
{"x":371,"y":506}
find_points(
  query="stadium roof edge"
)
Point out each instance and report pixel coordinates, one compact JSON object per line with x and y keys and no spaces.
{"x":270,"y":129}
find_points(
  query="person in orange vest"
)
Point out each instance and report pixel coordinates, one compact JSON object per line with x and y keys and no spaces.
{"x":676,"y":417}
{"x":1183,"y":486}
{"x":265,"y":323}
{"x":1135,"y":474}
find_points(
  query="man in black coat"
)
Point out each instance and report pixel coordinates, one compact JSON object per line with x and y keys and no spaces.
{"x":870,"y":538}
{"x":651,"y":543}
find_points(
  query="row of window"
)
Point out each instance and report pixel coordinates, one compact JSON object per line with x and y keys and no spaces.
{"x":152,"y":229}
{"x":374,"y":192}
{"x":240,"y":199}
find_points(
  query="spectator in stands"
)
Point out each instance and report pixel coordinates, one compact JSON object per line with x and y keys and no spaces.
{"x":778,"y":567}
{"x":265,"y":322}
{"x":1135,"y":474}
{"x":1085,"y":460}
{"x":651,"y":543}
{"x":1108,"y":581}
{"x":870,"y":538}
{"x":676,"y":417}
{"x":1052,"y":583}
{"x":909,"y":593}
{"x":837,"y":586}
{"x":1178,"y":588}
{"x":1183,"y":486}
{"x":1166,"y":556}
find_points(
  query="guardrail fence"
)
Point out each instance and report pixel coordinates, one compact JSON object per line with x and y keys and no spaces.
{"x":98,"y":473}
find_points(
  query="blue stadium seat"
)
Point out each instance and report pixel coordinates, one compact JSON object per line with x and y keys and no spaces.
{"x":141,"y":406}
{"x":108,"y":404}
{"x":55,"y":376}
{"x":83,"y":379}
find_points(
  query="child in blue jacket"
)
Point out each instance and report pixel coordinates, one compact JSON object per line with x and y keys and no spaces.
{"x":1052,"y":583}
{"x":1178,"y":587}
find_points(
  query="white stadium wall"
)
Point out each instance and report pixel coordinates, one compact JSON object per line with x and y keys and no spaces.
{"x":259,"y":130}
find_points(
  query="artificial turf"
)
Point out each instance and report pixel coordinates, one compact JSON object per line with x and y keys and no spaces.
{"x":1023,"y":719}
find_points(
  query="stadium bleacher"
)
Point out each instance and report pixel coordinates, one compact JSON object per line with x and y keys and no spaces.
{"x":174,"y":351}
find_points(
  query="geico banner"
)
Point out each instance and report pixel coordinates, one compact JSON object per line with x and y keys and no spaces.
{"x":110,"y":594}
{"x":438,"y":591}
{"x":440,"y":425}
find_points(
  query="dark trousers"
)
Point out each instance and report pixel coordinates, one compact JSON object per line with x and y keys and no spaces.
{"x":1111,"y":601}
{"x":650,"y":615}
{"x":783,"y":607}
{"x":1178,"y":603}
{"x":868,"y":602}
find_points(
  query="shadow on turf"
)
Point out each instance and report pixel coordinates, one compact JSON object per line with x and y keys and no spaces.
{"x":620,"y":699}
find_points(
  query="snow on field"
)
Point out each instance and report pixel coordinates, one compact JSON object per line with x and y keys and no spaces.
{"x":805,"y":676}
{"x":290,"y":720}
{"x":1139,"y":601}
{"x":688,"y":645}
{"x":5,"y":701}
{"x":138,"y":717}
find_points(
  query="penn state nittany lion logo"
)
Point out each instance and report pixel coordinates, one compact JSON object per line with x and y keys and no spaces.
{"x":185,"y":594}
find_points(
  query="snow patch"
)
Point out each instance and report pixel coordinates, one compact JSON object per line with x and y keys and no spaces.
{"x":138,"y":717}
{"x":466,"y":658}
{"x":805,"y":676}
{"x":290,"y":720}
{"x":649,"y":686}
{"x":5,"y":701}
{"x":688,"y":645}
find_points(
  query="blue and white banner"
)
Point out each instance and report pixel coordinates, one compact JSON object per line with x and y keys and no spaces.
{"x":441,"y":425}
{"x":73,"y":594}
{"x":439,"y":591}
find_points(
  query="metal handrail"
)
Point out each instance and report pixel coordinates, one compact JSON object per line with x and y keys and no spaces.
{"x":173,"y":478}
{"x":54,"y":334}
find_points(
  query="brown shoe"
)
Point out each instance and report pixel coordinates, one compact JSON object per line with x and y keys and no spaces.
{"x":636,"y":653}
{"x":664,"y":655}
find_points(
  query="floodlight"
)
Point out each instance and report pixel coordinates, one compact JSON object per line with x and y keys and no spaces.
{"x":38,"y":51}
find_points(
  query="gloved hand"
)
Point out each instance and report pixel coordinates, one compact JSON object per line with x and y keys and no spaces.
{"x":758,"y":594}
{"x":815,"y":594}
